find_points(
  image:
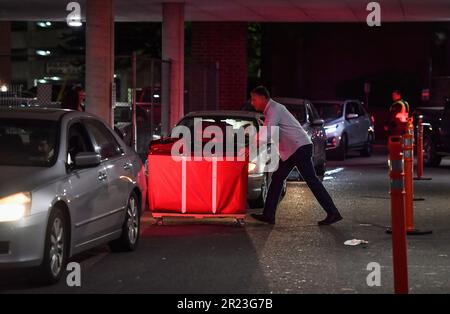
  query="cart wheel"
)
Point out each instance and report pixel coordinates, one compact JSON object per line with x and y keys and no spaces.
{"x":159,"y":222}
{"x":240,"y":222}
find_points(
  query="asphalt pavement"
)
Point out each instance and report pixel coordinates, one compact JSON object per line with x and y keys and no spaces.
{"x":294,"y":256}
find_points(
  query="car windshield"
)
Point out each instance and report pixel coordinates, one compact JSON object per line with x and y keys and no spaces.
{"x":329,"y":111}
{"x":27,"y":142}
{"x":233,"y":123}
{"x":298,"y":111}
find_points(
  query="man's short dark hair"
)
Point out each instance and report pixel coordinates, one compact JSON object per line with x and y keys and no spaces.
{"x":261,"y":91}
{"x":397,"y":91}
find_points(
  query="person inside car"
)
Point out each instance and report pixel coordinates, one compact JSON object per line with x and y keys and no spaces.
{"x":41,"y":149}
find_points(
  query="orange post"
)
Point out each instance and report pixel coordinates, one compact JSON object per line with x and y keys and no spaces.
{"x":408,"y":156}
{"x":398,"y":229}
{"x":420,"y":150}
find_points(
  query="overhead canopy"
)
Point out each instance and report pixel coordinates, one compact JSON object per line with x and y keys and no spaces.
{"x":242,"y":10}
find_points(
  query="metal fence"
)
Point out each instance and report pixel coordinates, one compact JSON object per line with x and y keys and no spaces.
{"x":16,"y":96}
{"x":140,"y":93}
{"x":143,"y":86}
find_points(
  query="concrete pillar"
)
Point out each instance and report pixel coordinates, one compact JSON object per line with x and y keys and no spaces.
{"x":173,"y":50}
{"x":5,"y":53}
{"x":100,"y":58}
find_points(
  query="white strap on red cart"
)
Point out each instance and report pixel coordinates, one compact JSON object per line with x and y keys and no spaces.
{"x":184,"y":182}
{"x":214,"y":184}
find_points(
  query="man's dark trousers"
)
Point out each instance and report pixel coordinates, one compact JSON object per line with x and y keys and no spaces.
{"x":302,"y":158}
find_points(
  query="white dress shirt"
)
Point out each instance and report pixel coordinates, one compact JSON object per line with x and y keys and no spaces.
{"x":291,"y":133}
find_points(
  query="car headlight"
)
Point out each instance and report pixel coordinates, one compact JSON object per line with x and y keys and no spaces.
{"x":331,"y":128}
{"x":251,"y":167}
{"x":14,"y":207}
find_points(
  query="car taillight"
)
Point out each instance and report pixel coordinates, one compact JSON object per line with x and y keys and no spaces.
{"x":251,"y":167}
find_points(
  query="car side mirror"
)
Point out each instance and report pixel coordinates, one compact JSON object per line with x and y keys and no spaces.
{"x":318,"y":122}
{"x":351,"y":116}
{"x":87,"y":160}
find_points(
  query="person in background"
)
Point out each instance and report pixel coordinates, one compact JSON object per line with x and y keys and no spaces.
{"x":398,"y":114}
{"x":74,"y":99}
{"x":295,"y":150}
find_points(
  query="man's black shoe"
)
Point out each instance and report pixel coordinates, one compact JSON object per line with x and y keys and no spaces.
{"x":331,"y":219}
{"x":263,"y":219}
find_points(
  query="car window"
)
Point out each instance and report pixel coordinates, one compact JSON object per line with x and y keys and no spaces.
{"x":329,"y":111}
{"x":224,"y":123}
{"x":105,"y":143}
{"x":349,"y":108}
{"x":357,"y":109}
{"x":78,"y":142}
{"x":315,"y":113}
{"x":28,"y":142}
{"x":352,"y":108}
{"x":298,"y":111}
{"x":362,"y":110}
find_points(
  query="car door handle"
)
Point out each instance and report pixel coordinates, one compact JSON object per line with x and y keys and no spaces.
{"x":127,"y":166}
{"x":102,"y":176}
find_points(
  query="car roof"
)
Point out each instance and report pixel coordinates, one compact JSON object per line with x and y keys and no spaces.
{"x":39,"y":113}
{"x":334,"y":101}
{"x":291,"y":101}
{"x":225,"y":113}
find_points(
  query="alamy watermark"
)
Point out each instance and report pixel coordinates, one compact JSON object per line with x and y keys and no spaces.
{"x":73,"y":278}
{"x":373,"y":279}
{"x":74,"y":17}
{"x":374,"y":17}
{"x":226,"y":144}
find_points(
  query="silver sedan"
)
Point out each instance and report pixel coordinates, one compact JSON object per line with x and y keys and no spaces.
{"x":67,"y":183}
{"x":258,"y":175}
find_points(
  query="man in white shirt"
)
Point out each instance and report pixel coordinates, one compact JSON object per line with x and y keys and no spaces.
{"x":295,"y":149}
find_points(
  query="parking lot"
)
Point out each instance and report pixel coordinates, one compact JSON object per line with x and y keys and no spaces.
{"x":147,"y":147}
{"x":294,"y":256}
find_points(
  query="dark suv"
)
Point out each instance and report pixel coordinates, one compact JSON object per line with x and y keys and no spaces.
{"x":307,"y":115}
{"x":436,"y":137}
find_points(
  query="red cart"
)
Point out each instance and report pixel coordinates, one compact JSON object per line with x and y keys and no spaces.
{"x":185,"y":186}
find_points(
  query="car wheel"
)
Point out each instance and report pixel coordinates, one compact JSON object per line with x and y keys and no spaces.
{"x":55,"y":250}
{"x":261,"y":200}
{"x":341,"y":151}
{"x":430,"y":156}
{"x":130,"y":229}
{"x":368,"y":147}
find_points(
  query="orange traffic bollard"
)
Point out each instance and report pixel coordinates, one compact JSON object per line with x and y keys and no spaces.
{"x":398,"y":229}
{"x":408,"y":156}
{"x":420,"y":150}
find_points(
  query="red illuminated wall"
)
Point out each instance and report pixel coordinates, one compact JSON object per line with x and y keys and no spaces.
{"x":226,"y":44}
{"x":333,"y":60}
